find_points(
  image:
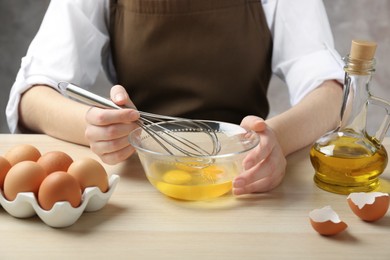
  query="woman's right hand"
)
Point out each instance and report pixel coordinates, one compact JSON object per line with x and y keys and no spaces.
{"x":108,"y":129}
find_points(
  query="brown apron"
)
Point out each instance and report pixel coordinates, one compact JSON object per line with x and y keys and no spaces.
{"x":204,"y":59}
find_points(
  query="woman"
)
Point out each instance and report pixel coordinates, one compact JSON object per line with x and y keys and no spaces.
{"x":209,"y":59}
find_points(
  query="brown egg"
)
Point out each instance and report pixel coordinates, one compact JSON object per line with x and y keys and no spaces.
{"x":22,"y":152}
{"x":55,"y":161}
{"x":370,"y":206}
{"x":326,"y":221}
{"x":25,"y":176}
{"x":89,"y":173}
{"x":4,"y":168}
{"x":59,"y":186}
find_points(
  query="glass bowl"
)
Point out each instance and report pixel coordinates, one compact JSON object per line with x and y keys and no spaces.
{"x":207,"y":172}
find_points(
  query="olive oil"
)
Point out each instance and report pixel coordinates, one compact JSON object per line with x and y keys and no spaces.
{"x":349,"y":159}
{"x":348,"y":164}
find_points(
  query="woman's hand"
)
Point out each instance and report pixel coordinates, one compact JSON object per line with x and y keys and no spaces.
{"x":108,"y":129}
{"x":264,"y":167}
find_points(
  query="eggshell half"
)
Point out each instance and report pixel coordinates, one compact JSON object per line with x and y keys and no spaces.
{"x":370,"y":206}
{"x":326,"y":221}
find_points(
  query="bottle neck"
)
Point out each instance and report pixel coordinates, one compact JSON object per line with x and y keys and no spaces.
{"x":358,"y":66}
{"x":358,"y":75}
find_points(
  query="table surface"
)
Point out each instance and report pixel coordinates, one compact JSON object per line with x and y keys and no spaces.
{"x":138,"y":222}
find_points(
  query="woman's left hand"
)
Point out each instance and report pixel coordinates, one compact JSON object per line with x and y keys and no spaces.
{"x":265,"y":166}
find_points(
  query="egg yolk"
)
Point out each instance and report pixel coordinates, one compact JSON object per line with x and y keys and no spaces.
{"x":177,"y":177}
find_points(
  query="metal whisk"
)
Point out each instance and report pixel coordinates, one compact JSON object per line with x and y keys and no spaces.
{"x":165,"y":137}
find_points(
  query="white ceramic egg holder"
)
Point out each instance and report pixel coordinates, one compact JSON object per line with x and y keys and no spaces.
{"x":62,"y":214}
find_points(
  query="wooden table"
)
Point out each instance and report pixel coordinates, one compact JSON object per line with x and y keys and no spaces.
{"x":140,"y":223}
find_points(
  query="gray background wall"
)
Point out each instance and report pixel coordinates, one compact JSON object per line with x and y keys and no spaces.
{"x":350,"y":19}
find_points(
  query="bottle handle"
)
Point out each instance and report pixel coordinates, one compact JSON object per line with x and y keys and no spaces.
{"x":380,"y":134}
{"x":346,"y":90}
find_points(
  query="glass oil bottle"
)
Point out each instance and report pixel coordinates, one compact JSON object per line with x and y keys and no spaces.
{"x":348,"y":159}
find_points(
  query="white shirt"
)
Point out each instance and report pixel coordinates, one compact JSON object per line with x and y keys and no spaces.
{"x":74,"y":37}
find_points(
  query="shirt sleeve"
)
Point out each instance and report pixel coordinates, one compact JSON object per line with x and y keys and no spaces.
{"x":303,"y":48}
{"x":69,"y":46}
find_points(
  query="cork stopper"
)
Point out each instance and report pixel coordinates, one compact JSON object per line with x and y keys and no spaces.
{"x":362,"y":50}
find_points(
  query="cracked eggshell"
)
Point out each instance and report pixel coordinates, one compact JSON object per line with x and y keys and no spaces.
{"x":326,"y":221}
{"x":369,"y":206}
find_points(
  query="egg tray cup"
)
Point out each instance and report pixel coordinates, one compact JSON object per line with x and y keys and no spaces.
{"x":62,"y":214}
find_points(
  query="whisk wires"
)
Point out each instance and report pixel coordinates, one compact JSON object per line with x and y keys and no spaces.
{"x":168,"y":139}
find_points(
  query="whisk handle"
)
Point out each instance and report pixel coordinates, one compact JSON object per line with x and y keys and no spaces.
{"x":84,"y":96}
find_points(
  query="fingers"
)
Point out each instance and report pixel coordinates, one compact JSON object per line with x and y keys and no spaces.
{"x":96,"y":133}
{"x":108,"y":129}
{"x":254,"y":123}
{"x":263,"y":177}
{"x":119,"y":95}
{"x":262,"y":185}
{"x":104,"y":117}
{"x":264,"y":167}
{"x":261,"y":152}
{"x":110,"y":142}
{"x":117,"y":156}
